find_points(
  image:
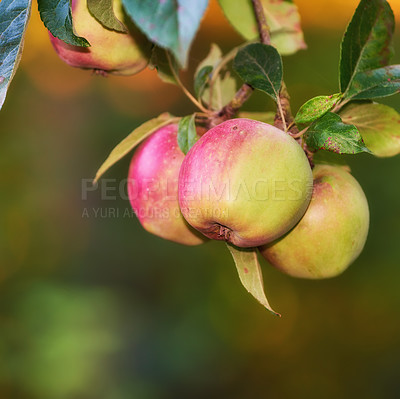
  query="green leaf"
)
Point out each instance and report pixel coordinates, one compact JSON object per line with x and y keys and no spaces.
{"x":224,"y":89}
{"x":201,"y":80}
{"x":250,"y":273}
{"x":379,"y":126}
{"x":282,"y":17}
{"x":159,"y":61}
{"x":380,"y":82}
{"x":266,"y":117}
{"x":187,"y":134}
{"x":260,"y":66}
{"x":171,"y":24}
{"x":14,"y":17}
{"x":103,"y":11}
{"x":131,"y":141}
{"x":316,"y":107}
{"x":213,"y":58}
{"x":331,"y":134}
{"x":366,"y":44}
{"x":57,"y":18}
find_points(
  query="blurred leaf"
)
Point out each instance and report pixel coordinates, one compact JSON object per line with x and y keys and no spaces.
{"x":260,"y":66}
{"x":213,"y":58}
{"x":380,"y":82}
{"x":159,"y":61}
{"x":367,"y":41}
{"x":282,"y":17}
{"x":379,"y":126}
{"x":250,"y":273}
{"x":57,"y":18}
{"x":223,"y":90}
{"x":131,"y":141}
{"x":14,"y":17}
{"x":171,"y":24}
{"x":103,"y":11}
{"x":187,"y":134}
{"x":201,"y":80}
{"x":316,"y":107}
{"x":331,"y":134}
{"x":266,"y":117}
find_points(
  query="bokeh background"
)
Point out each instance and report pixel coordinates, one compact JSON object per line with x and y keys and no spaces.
{"x":92,"y":306}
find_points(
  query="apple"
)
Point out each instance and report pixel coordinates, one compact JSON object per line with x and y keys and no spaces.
{"x":331,"y":234}
{"x":110,"y":51}
{"x":153,"y":187}
{"x":245,"y":182}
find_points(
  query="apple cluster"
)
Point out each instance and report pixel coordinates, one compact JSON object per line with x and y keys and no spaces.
{"x":250,"y":184}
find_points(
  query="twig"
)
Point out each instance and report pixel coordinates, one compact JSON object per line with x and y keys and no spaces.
{"x":263,"y":28}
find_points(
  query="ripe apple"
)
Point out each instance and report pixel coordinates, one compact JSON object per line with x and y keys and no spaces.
{"x":245,"y":182}
{"x":153,"y":187}
{"x":110,"y":51}
{"x":331,"y":234}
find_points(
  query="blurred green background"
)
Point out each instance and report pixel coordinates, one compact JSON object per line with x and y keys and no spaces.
{"x":92,"y":306}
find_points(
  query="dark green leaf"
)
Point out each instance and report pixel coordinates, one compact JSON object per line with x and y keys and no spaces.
{"x":159,"y":61}
{"x":376,"y":83}
{"x":250,"y":273}
{"x":14,"y":17}
{"x":133,"y":139}
{"x":282,"y":17}
{"x":201,"y":80}
{"x":260,"y":66}
{"x":331,"y":134}
{"x":316,"y":107}
{"x":379,"y":126}
{"x":57,"y":18}
{"x":367,"y":42}
{"x":187,"y":134}
{"x":171,"y":24}
{"x":103,"y":11}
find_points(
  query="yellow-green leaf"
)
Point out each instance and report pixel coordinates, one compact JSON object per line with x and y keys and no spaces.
{"x":131,"y":141}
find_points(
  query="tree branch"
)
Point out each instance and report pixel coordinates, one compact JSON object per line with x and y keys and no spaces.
{"x":263,"y":27}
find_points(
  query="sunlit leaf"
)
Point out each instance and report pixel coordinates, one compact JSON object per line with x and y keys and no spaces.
{"x":103,"y":11}
{"x":250,"y":274}
{"x":131,"y":141}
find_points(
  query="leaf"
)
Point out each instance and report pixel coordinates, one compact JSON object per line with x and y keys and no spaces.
{"x":171,"y":24}
{"x":103,"y":11}
{"x":159,"y":61}
{"x":379,"y":126}
{"x":201,"y":80}
{"x":131,"y":141}
{"x":260,"y":66}
{"x":187,"y":134}
{"x":57,"y":18}
{"x":14,"y":17}
{"x":282,"y":17}
{"x":381,"y":82}
{"x":224,"y":89}
{"x":250,"y":273}
{"x":316,"y":107}
{"x":331,"y":134}
{"x":213,"y":58}
{"x":366,"y":44}
{"x":266,"y":117}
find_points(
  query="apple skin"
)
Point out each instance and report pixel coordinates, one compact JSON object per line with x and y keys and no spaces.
{"x":110,"y":51}
{"x":245,"y":182}
{"x":331,"y":234}
{"x":153,"y":187}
